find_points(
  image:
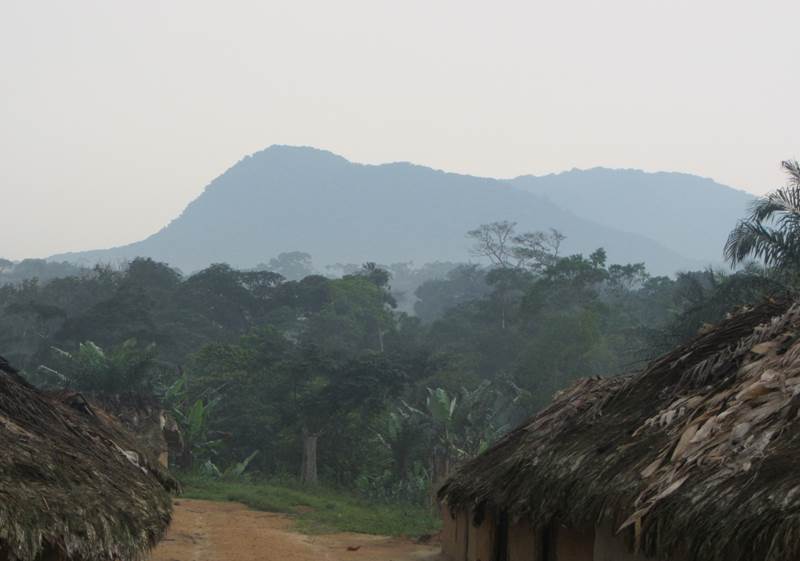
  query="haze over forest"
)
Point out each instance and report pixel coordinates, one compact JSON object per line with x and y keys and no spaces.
{"x":286,"y":199}
{"x":427,"y":280}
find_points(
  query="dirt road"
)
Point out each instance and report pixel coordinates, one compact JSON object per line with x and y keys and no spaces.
{"x":216,"y":531}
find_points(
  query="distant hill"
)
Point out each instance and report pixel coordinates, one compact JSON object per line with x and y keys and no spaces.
{"x":13,"y":272}
{"x":688,"y":214}
{"x":291,"y":198}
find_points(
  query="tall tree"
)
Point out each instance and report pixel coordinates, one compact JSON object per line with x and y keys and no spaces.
{"x":329,"y":391}
{"x":514,"y":258}
{"x":292,"y":265}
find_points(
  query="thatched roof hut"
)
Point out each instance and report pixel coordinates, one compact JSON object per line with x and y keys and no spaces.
{"x":156,"y":430}
{"x":74,"y":485}
{"x":695,"y":458}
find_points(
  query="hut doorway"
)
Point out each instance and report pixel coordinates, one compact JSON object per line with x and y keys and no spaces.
{"x":501,"y":538}
{"x":547,"y":552}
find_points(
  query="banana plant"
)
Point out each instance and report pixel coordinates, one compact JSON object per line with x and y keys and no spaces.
{"x":193,"y":419}
{"x":121,"y":369}
{"x":441,"y":406}
{"x":464,"y":425}
{"x":235,"y":471}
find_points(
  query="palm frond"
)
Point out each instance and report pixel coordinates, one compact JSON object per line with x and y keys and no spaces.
{"x":771,"y":232}
{"x":751,"y":239}
{"x":792,"y":168}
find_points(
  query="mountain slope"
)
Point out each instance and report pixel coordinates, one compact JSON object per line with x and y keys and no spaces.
{"x":288,"y":198}
{"x":689,"y":214}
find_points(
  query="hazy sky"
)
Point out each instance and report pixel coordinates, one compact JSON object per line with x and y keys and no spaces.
{"x":114,"y":115}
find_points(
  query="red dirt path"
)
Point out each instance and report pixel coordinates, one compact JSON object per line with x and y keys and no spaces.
{"x":216,"y":531}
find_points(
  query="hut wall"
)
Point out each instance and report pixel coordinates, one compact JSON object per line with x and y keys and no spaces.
{"x":611,"y":547}
{"x":463,"y":527}
{"x":524,"y":543}
{"x":448,"y":536}
{"x":572,"y":545}
{"x":455,"y":535}
{"x":480,"y":541}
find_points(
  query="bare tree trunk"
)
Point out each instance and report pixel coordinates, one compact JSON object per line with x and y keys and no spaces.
{"x":308,"y":469}
{"x":380,"y":339}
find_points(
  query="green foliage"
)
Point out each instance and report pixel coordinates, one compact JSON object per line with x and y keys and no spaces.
{"x":234,"y":472}
{"x":440,"y":406}
{"x":461,"y":426}
{"x":328,"y":368}
{"x":292,"y":265}
{"x":385,"y":487}
{"x":460,"y":285}
{"x":194,"y":419}
{"x":701,"y":298}
{"x":237,"y":470}
{"x":127,"y":368}
{"x":41,"y":269}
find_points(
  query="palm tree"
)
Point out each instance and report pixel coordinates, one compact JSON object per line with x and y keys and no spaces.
{"x":772,"y":231}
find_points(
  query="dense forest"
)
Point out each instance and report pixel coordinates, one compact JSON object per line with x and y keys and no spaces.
{"x":289,"y":373}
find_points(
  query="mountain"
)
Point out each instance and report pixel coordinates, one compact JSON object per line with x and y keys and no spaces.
{"x":296,"y":198}
{"x":688,"y":214}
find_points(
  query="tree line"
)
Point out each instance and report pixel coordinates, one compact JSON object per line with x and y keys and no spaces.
{"x":326,"y":379}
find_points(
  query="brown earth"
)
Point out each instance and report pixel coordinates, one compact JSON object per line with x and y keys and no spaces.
{"x":217,"y":531}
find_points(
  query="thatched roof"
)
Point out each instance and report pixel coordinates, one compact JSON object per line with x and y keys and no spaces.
{"x":155,"y":428}
{"x":73,"y":482}
{"x":698,"y":455}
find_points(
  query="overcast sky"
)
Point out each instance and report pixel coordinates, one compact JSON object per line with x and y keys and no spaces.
{"x":114,"y":115}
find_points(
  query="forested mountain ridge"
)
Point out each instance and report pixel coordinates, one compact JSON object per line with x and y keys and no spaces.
{"x":270,"y":203}
{"x":690,"y":215}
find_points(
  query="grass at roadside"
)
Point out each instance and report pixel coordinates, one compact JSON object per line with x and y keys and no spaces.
{"x":317,"y":509}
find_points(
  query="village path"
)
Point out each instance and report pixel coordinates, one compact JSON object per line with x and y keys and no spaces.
{"x":218,"y":531}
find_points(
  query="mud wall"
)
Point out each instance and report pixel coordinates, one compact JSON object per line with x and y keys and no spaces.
{"x":480,"y":541}
{"x":448,"y":535}
{"x":455,"y":535}
{"x":610,"y":547}
{"x":524,"y":543}
{"x":572,"y":545}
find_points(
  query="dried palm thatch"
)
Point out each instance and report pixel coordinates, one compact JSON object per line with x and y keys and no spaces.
{"x":156,"y":430}
{"x":699,"y":454}
{"x":73,"y":483}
